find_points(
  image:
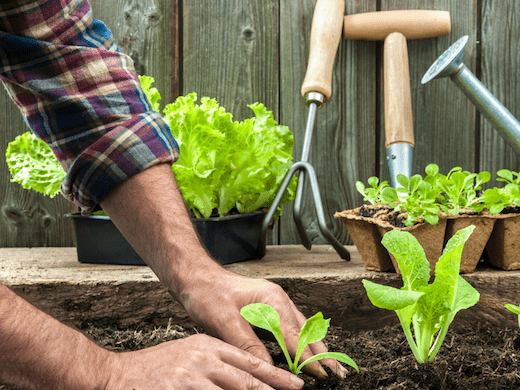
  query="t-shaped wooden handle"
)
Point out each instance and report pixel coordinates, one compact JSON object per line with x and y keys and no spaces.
{"x":413,"y":24}
{"x":327,"y":22}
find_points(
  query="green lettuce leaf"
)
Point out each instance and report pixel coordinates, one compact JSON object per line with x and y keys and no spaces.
{"x":151,"y":93}
{"x":33,"y":165}
{"x":226,"y":164}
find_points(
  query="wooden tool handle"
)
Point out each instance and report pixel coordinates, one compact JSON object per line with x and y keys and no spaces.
{"x":327,"y":23}
{"x":413,"y":24}
{"x":398,"y":98}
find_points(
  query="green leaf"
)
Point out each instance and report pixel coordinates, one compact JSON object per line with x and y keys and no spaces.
{"x":373,"y":181}
{"x":265,"y":317}
{"x":314,"y":330}
{"x":389,"y":195}
{"x":152,"y":94}
{"x":506,"y":174}
{"x":410,"y":257}
{"x":32,"y":164}
{"x":432,"y":169}
{"x":360,"y":187}
{"x":466,"y":296}
{"x":512,"y":308}
{"x":403,"y":180}
{"x":390,"y":298}
{"x":341,"y":357}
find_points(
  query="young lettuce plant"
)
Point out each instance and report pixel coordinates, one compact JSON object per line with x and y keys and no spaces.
{"x":427,"y":309}
{"x":372,"y":194}
{"x":315,"y":329}
{"x":416,"y":197}
{"x":226,"y":164}
{"x":460,"y":190}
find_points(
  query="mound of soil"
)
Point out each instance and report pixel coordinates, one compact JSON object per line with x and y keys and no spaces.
{"x":469,"y":359}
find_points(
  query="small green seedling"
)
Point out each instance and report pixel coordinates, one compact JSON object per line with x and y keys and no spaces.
{"x":514,"y":309}
{"x":428,"y":309}
{"x":372,"y":194}
{"x":315,"y":329}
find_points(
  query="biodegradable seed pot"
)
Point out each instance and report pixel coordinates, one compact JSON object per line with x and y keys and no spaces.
{"x":433,"y":209}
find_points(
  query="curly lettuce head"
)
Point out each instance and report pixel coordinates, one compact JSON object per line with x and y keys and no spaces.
{"x":225,"y":164}
{"x":33,"y":165}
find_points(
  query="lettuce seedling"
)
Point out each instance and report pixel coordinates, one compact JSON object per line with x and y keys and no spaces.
{"x":416,"y":197}
{"x":497,"y":199}
{"x":372,"y":194}
{"x":508,"y":176}
{"x":514,"y":309}
{"x":315,"y":329}
{"x":427,"y":309}
{"x":460,"y":189}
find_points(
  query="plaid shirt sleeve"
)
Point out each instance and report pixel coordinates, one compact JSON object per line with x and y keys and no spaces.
{"x":80,"y":94}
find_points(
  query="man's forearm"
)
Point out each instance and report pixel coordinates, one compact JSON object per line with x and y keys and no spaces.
{"x":149,"y":210}
{"x":38,"y":352}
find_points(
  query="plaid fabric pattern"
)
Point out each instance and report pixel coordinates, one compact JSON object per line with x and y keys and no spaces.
{"x":81,"y":95}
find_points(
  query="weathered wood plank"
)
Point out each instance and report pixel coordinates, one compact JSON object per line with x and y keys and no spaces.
{"x":444,"y":121}
{"x":500,"y":65}
{"x":148,"y":31}
{"x":231,"y":52}
{"x":317,"y":280}
{"x":343,"y":146}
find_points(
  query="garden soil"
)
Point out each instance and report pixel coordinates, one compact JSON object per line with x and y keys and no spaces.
{"x":480,"y":357}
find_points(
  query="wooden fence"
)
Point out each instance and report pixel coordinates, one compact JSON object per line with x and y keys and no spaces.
{"x":243,"y":51}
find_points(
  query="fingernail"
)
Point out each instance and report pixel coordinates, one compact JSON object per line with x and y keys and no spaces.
{"x":341,"y":372}
{"x":297,"y":381}
{"x":322,"y":372}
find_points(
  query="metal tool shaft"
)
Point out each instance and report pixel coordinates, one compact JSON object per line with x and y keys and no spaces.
{"x":314,"y":100}
{"x":499,"y":116}
{"x":450,"y":63}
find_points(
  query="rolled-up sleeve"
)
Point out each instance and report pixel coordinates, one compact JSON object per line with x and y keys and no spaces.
{"x":81,"y":95}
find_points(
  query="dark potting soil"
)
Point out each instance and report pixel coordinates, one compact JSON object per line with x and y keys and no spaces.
{"x":481,"y":357}
{"x":510,"y":210}
{"x":383,"y":213}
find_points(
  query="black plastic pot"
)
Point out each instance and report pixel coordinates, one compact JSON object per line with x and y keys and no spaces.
{"x":228,"y":240}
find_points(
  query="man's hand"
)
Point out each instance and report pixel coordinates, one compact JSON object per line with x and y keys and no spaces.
{"x":197,"y":362}
{"x":221,"y":317}
{"x":148,"y":209}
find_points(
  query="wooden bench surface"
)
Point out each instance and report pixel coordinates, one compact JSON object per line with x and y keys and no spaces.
{"x":317,"y":280}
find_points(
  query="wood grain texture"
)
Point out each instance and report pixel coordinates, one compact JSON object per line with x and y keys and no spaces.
{"x":317,"y":280}
{"x":344,"y":142}
{"x":444,"y":121}
{"x":230,"y":53}
{"x":240,"y":52}
{"x":501,"y":75}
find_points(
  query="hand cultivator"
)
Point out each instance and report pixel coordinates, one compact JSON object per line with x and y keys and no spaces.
{"x":326,"y":28}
